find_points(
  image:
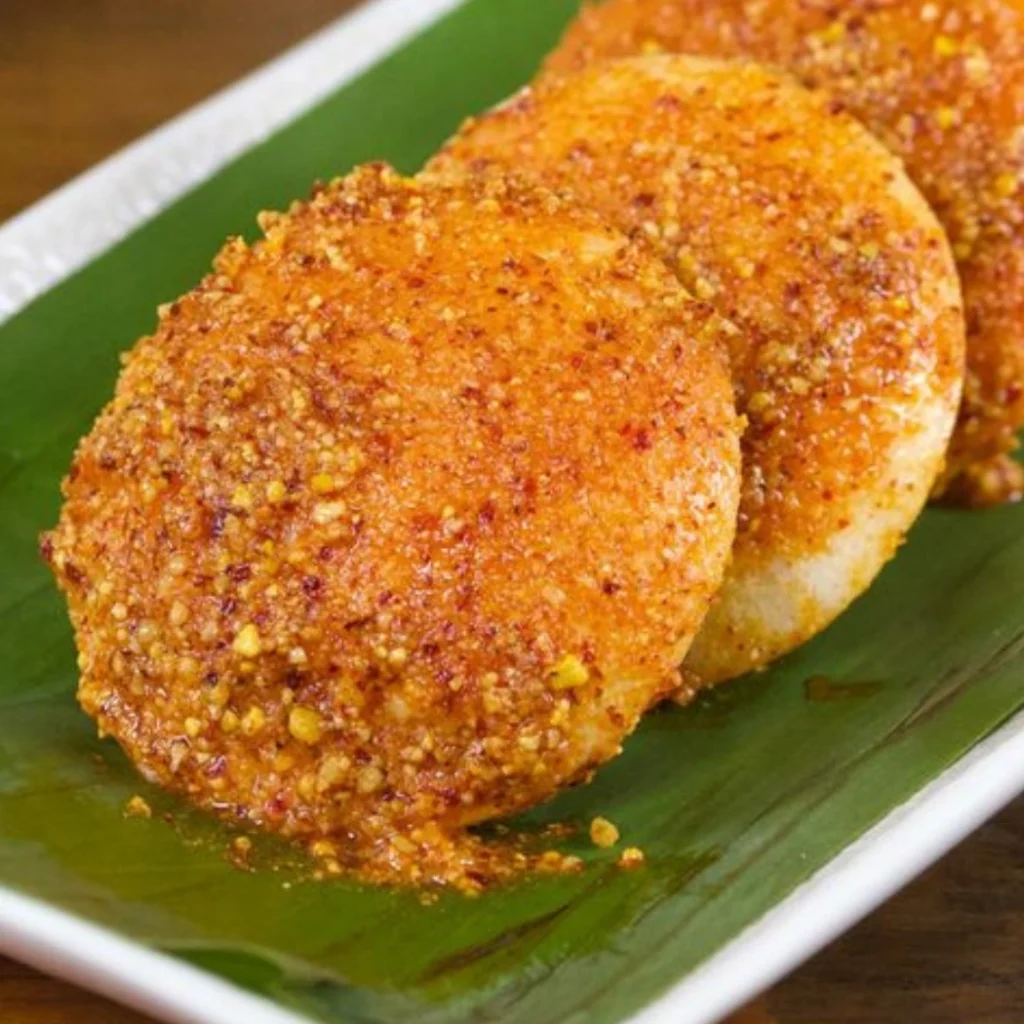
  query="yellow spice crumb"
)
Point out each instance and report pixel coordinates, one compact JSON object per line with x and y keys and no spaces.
{"x":138,"y":808}
{"x":323,"y":848}
{"x":603,"y":833}
{"x":247,"y":642}
{"x":759,"y":401}
{"x":703,"y":288}
{"x":328,"y":512}
{"x":569,"y":673}
{"x":632,"y":857}
{"x":305,"y":724}
{"x":369,"y":779}
{"x":833,"y":33}
{"x":253,"y":721}
{"x":332,"y":771}
{"x":1006,"y":184}
{"x":403,"y":845}
{"x":242,"y":498}
{"x":745,"y":268}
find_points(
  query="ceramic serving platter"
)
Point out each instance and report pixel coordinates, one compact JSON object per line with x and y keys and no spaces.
{"x":774,"y":812}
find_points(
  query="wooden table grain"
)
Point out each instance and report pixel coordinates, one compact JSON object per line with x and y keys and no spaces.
{"x":79,"y":79}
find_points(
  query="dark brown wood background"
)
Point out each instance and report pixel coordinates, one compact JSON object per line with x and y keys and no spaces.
{"x":79,"y":79}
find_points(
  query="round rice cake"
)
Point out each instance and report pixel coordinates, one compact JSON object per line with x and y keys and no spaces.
{"x":402,"y":518}
{"x":807,"y":235}
{"x":942,"y":85}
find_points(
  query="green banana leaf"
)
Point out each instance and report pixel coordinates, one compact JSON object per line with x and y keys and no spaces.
{"x":735,"y":800}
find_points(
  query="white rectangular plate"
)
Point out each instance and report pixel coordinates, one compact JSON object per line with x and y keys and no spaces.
{"x":42,"y":246}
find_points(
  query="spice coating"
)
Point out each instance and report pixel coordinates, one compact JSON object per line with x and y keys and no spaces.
{"x":806,"y":234}
{"x":394,"y":523}
{"x":942,"y":85}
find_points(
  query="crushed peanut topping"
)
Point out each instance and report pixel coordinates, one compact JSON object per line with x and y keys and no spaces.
{"x":242,"y":498}
{"x":632,"y":857}
{"x":569,"y":673}
{"x":137,"y":807}
{"x":305,"y":724}
{"x":1006,"y":185}
{"x":603,"y":833}
{"x":253,"y":721}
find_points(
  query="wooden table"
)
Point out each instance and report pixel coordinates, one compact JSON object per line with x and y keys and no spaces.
{"x":80,"y":78}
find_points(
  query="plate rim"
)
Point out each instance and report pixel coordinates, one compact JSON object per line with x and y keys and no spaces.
{"x":91,"y":956}
{"x":60,"y":233}
{"x":861,"y":877}
{"x":46,"y":243}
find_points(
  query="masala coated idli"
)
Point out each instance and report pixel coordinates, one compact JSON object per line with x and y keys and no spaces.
{"x":806,"y":234}
{"x":402,"y":518}
{"x":942,"y":85}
